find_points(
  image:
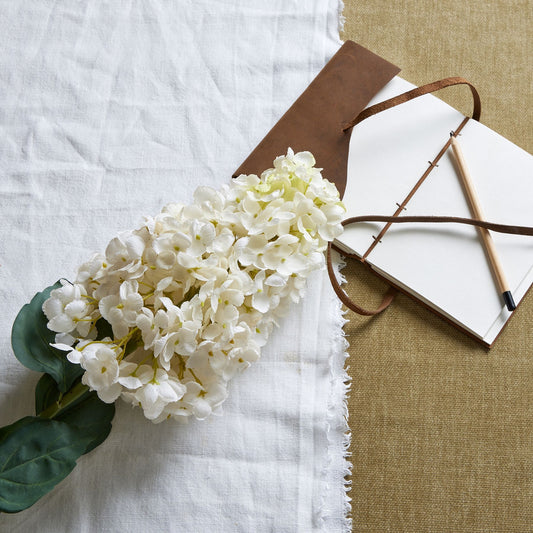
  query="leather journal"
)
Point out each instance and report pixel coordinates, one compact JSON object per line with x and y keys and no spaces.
{"x":385,"y":144}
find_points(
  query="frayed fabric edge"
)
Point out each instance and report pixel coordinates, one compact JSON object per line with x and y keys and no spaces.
{"x":337,"y":467}
{"x":342,"y":18}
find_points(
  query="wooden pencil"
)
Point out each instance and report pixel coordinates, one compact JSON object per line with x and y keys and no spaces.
{"x":486,"y":237}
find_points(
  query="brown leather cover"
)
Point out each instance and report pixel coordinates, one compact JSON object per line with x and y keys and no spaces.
{"x":315,"y":122}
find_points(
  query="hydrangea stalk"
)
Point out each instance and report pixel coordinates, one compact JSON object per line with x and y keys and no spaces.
{"x":192,"y":295}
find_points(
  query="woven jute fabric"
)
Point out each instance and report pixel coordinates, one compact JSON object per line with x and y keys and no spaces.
{"x":442,"y":428}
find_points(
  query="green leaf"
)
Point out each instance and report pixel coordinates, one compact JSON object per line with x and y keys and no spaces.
{"x":7,"y":430}
{"x":46,"y":393}
{"x":104,"y":329}
{"x":135,"y":342}
{"x":90,"y":416}
{"x":35,"y":455}
{"x":30,"y":339}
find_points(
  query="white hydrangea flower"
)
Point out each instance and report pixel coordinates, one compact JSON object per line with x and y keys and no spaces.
{"x":150,"y":325}
{"x":68,"y":309}
{"x":102,"y":372}
{"x":121,"y":310}
{"x":193,"y":294}
{"x":203,"y":400}
{"x":126,"y":248}
{"x":133,"y":376}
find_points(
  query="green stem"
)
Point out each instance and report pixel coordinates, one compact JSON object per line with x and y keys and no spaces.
{"x":183,"y":368}
{"x":76,"y":392}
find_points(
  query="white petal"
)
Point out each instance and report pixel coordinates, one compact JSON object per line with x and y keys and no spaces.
{"x":276,"y":280}
{"x":150,"y":394}
{"x":130,"y":382}
{"x":167,"y":393}
{"x":75,"y":356}
{"x":76,"y":309}
{"x":135,"y":246}
{"x":166,"y":260}
{"x":61,"y":324}
{"x":261,"y":302}
{"x":152,"y":411}
{"x":201,"y":409}
{"x":62,"y":347}
{"x":109,"y":394}
{"x":52,"y":307}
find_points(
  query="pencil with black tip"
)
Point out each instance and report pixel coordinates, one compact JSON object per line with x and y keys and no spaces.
{"x":486,"y":238}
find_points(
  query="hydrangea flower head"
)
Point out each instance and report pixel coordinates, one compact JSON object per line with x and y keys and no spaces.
{"x":192,"y":295}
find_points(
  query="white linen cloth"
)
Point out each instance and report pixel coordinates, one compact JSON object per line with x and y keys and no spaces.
{"x":108,"y":111}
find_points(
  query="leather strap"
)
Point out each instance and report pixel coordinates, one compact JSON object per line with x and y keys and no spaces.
{"x":418,"y":184}
{"x":382,"y":106}
{"x":345,"y":299}
{"x":499,"y":228}
{"x":415,"y":93}
{"x":389,"y":295}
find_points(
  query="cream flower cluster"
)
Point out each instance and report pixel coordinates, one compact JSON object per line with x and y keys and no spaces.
{"x":193,"y":294}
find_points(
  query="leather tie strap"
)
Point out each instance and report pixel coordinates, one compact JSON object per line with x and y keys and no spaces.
{"x":345,"y":299}
{"x":415,"y":93}
{"x":498,"y":228}
{"x":389,"y":295}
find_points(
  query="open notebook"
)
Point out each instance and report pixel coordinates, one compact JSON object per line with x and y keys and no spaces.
{"x":444,"y":266}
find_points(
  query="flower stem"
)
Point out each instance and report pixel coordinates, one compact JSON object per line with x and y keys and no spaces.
{"x":76,"y":392}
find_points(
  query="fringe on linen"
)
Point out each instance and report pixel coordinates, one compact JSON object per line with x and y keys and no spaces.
{"x":337,"y":468}
{"x":340,"y":14}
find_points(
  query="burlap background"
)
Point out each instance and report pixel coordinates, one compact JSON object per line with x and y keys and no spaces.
{"x":442,"y":429}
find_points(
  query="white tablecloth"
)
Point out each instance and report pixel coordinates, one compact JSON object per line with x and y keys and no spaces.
{"x":109,"y":110}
